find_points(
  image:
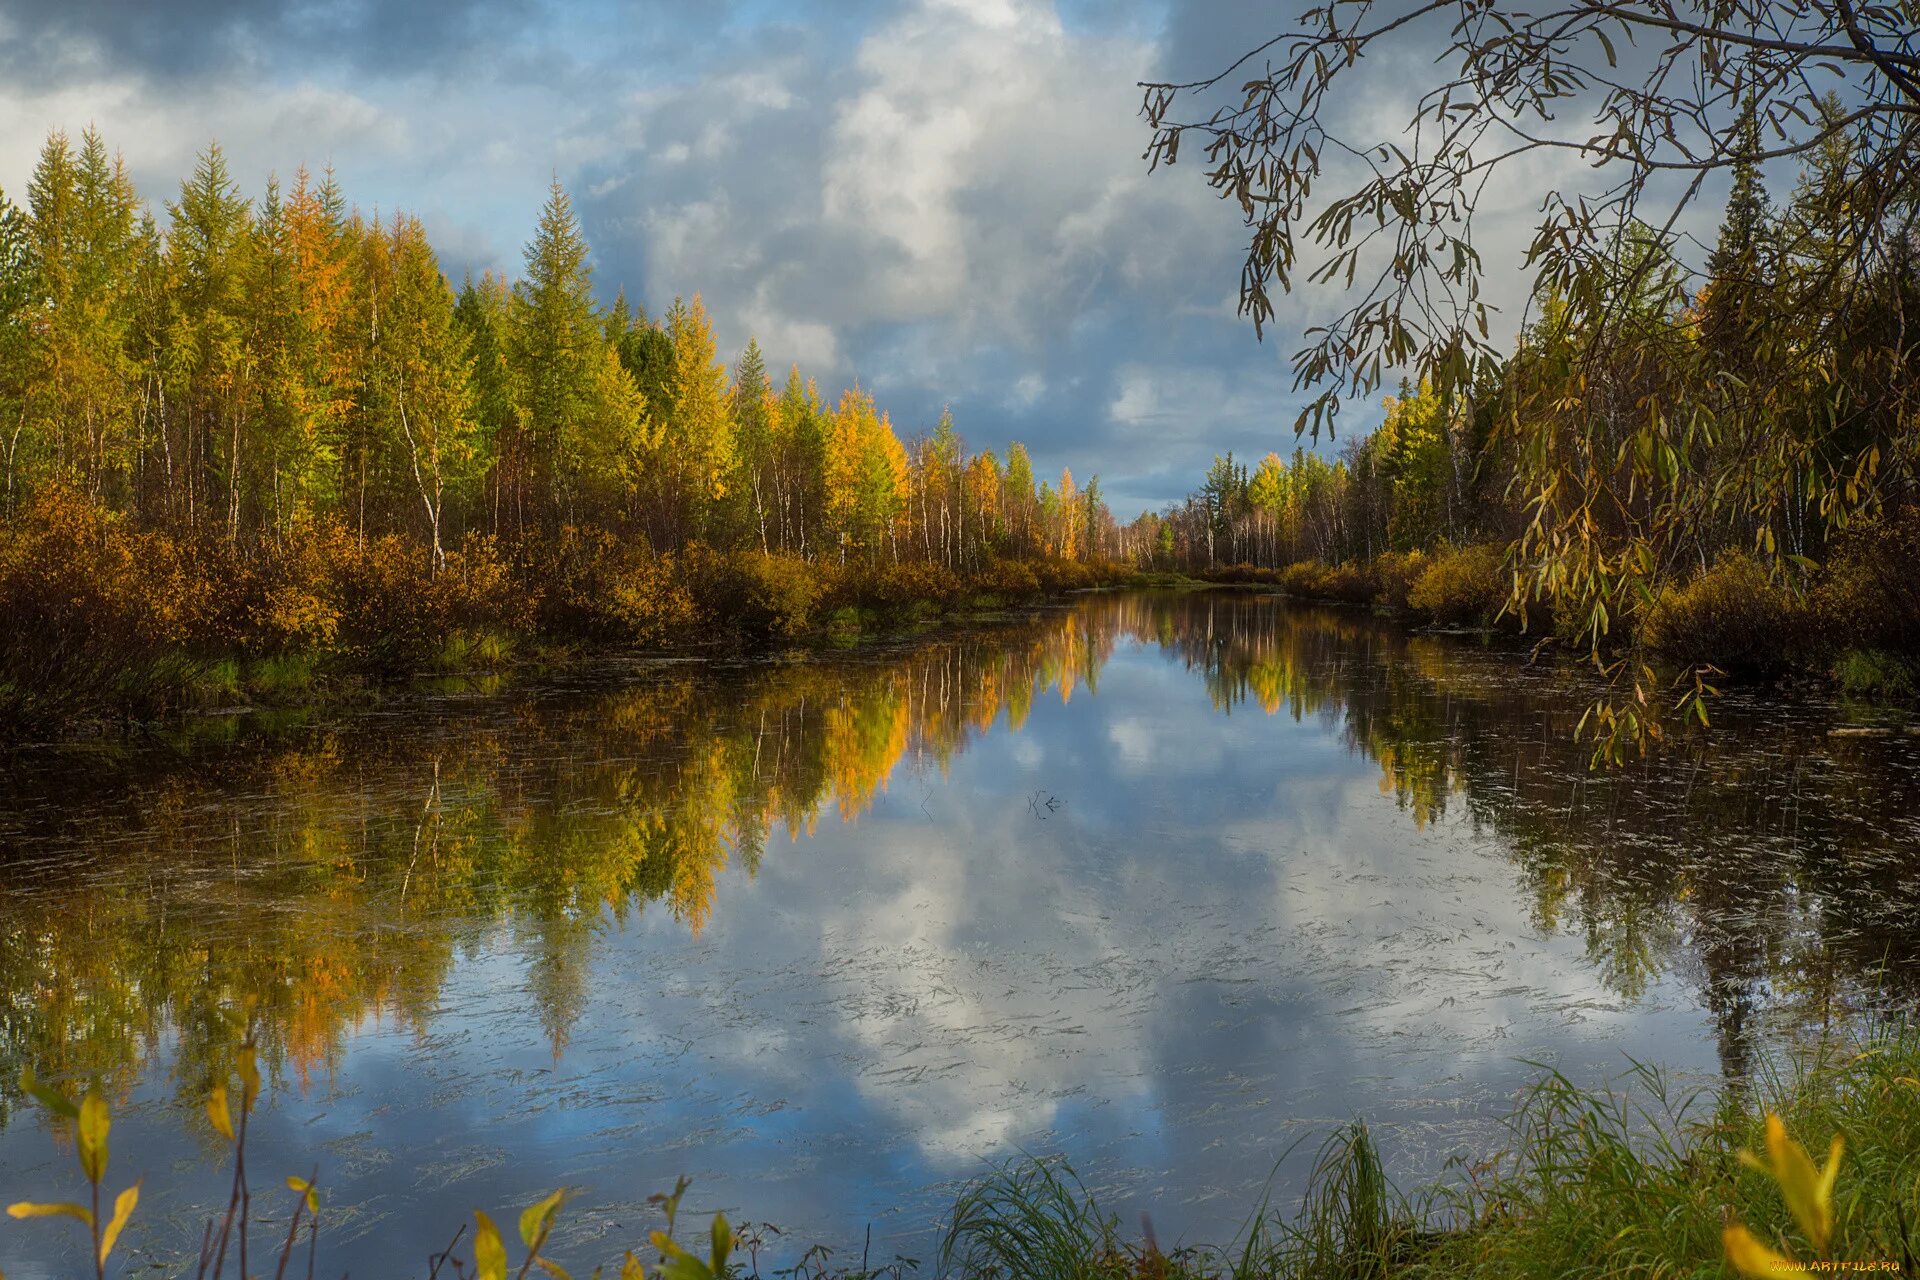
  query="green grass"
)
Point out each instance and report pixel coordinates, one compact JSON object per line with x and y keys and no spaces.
{"x":1873,"y":673}
{"x":1636,"y":1181}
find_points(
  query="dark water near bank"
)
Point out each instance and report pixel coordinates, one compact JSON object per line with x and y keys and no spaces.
{"x":1162,"y":882}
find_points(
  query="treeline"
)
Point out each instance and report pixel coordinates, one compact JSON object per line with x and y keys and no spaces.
{"x":224,"y":426}
{"x":249,"y":367}
{"x":1677,"y":444}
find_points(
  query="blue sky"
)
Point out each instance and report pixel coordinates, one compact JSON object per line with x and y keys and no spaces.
{"x":943,"y":198}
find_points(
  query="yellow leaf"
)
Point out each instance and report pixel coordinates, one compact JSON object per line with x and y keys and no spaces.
{"x":1808,"y":1191}
{"x":537,"y":1219}
{"x":219,"y":1114}
{"x":631,"y":1268}
{"x":95,"y":1121}
{"x":249,"y":1077}
{"x":489,"y":1253}
{"x":1753,"y":1259}
{"x":722,"y":1242}
{"x":122,"y":1210}
{"x":26,"y":1209}
{"x":312,"y":1196}
{"x":553,"y":1269}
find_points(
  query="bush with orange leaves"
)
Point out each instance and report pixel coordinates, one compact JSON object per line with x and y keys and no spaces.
{"x":90,"y":608}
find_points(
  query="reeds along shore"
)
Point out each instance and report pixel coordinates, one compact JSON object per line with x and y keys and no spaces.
{"x":1639,"y":1181}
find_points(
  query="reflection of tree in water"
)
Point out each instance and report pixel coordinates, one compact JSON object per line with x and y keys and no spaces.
{"x":327,"y":876}
{"x":331,"y":874}
{"x":1773,"y":861}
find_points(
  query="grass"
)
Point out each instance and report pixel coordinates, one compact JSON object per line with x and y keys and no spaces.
{"x":1638,"y":1181}
{"x":1634,"y":1181}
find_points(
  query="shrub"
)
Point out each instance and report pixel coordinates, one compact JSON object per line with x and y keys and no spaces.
{"x":1010,"y":580}
{"x":1394,"y":574}
{"x":1464,"y":586}
{"x":1312,"y":580}
{"x":761,"y":596}
{"x":1734,"y":616}
{"x":86,"y":606}
{"x":599,"y":585}
{"x":1869,"y":596}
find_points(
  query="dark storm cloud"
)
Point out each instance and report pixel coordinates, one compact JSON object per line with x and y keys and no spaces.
{"x":56,"y":40}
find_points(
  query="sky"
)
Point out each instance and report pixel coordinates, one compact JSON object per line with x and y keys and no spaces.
{"x":944,"y":199}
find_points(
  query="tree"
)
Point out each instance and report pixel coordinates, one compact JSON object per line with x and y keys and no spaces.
{"x":801,"y":430}
{"x":1017,"y":502}
{"x":83,"y":228}
{"x":866,"y":477}
{"x":423,"y":375}
{"x":483,"y":314}
{"x":1676,"y":95}
{"x":20,"y":301}
{"x":751,"y":404}
{"x":553,"y":348}
{"x":208,"y":362}
{"x":698,"y":441}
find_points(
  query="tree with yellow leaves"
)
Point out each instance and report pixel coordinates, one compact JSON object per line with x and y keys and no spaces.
{"x":866,"y":477}
{"x":697,"y":439}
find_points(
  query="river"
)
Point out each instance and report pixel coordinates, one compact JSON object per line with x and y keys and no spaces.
{"x":1167,"y":883}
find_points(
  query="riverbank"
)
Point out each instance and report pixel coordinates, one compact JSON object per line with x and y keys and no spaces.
{"x":1851,"y":625}
{"x":1642,"y":1182}
{"x":108,"y":624}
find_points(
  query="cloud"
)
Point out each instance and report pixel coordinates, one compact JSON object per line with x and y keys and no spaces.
{"x":55,"y":41}
{"x":944,"y":199}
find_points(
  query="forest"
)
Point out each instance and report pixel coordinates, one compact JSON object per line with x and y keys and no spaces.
{"x":1665,"y":467}
{"x":256,"y":440}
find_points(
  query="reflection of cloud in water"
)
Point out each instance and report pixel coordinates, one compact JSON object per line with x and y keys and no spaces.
{"x":802,"y":937}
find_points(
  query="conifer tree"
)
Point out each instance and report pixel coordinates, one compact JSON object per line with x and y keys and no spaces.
{"x":208,"y":365}
{"x":698,"y":439}
{"x":20,"y":291}
{"x":751,"y":402}
{"x":801,"y":430}
{"x":483,"y":316}
{"x":553,"y":349}
{"x":1018,"y":502}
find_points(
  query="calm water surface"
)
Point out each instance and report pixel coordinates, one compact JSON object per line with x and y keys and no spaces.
{"x":1163,"y":882}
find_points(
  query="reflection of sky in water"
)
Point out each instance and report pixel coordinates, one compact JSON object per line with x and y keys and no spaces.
{"x":1225,"y":938}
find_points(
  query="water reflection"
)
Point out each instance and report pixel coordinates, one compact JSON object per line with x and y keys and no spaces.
{"x":799,"y":928}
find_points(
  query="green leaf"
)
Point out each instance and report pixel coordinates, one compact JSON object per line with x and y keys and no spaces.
{"x":26,"y":1209}
{"x":722,"y":1242}
{"x":59,"y":1104}
{"x":537,"y":1219}
{"x":122,"y":1210}
{"x":95,"y":1120}
{"x":489,"y":1252}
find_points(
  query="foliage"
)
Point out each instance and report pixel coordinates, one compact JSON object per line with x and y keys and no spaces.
{"x":1465,"y":586}
{"x":1662,"y":406}
{"x":1734,"y":616}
